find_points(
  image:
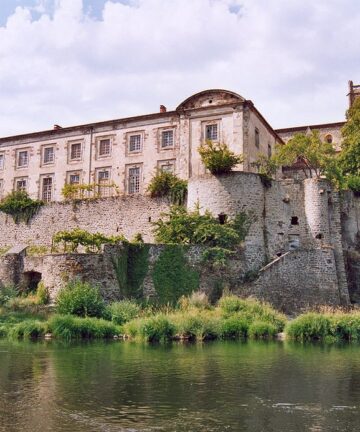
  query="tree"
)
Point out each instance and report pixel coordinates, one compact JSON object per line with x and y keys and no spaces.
{"x":317,"y":158}
{"x":349,"y":159}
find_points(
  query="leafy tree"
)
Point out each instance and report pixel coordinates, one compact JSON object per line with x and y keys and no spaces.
{"x":350,"y":148}
{"x":20,"y":206}
{"x":167,"y":184}
{"x":317,"y":157}
{"x":218,"y":158}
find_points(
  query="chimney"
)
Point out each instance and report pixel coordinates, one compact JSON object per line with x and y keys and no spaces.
{"x":354,"y":93}
{"x":162,"y":108}
{"x":57,"y":127}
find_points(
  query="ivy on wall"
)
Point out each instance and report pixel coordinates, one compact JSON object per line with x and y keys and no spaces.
{"x":131,"y":267}
{"x":173,"y":277}
{"x":20,"y":206}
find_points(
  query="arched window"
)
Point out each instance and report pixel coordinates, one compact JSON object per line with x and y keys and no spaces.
{"x":329,"y":138}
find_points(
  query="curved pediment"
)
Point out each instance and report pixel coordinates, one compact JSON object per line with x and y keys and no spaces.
{"x":208,"y":98}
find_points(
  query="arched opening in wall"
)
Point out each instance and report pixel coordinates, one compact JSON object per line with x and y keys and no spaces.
{"x":294,"y":220}
{"x":222,"y":218}
{"x":30,"y":281}
{"x":319,"y":236}
{"x":329,"y":139}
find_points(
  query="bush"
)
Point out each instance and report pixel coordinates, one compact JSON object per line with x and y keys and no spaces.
{"x":157,"y":328}
{"x":353,"y":183}
{"x":20,"y":206}
{"x":197,"y":300}
{"x":196,"y":325}
{"x":167,"y":184}
{"x":218,"y":158}
{"x":70,"y":327}
{"x":80,"y":298}
{"x":42,"y":294}
{"x":234,"y":327}
{"x":123,"y":311}
{"x":261,"y":330}
{"x":309,"y":326}
{"x":28,"y":329}
{"x":7,"y":293}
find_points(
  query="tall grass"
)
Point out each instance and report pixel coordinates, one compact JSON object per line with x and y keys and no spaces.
{"x":329,"y":326}
{"x":71,"y":327}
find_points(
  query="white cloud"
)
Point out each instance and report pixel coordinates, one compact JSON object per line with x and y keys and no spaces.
{"x":292,"y":58}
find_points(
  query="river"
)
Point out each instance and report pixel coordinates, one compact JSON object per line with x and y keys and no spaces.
{"x":222,"y":386}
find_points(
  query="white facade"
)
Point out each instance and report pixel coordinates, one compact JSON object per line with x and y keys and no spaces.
{"x":121,"y":156}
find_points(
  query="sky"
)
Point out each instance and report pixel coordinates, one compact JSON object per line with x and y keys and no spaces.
{"x":70,"y":62}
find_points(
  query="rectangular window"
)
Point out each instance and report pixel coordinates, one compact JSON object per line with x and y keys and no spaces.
{"x":75,"y":151}
{"x":135,"y":143}
{"x":167,"y":139}
{"x":257,"y":138}
{"x":103,"y":177}
{"x":48,"y":155}
{"x":211,"y":132}
{"x":22,"y":159}
{"x":167,"y":166}
{"x":134,"y":180}
{"x":74,"y":179}
{"x":47,"y":186}
{"x":104,"y":147}
{"x":2,"y":161}
{"x":21,"y":185}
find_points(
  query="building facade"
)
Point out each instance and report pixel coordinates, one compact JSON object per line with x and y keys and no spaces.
{"x":119,"y":157}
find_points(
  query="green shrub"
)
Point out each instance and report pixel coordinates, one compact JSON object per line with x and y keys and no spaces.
{"x":7,"y":293}
{"x":309,"y":326}
{"x":197,"y":325}
{"x":197,"y":300}
{"x":261,"y":330}
{"x":218,"y":158}
{"x":42,"y":294}
{"x":20,"y":206}
{"x":80,"y":298}
{"x":234,"y":327}
{"x":123,"y":311}
{"x":157,"y":328}
{"x":28,"y":329}
{"x":70,"y":327}
{"x":353,"y":183}
{"x":168,"y":184}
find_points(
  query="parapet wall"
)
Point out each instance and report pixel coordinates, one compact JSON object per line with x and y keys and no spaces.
{"x":111,"y":216}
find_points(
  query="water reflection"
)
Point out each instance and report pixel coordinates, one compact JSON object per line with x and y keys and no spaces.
{"x":212,"y":387}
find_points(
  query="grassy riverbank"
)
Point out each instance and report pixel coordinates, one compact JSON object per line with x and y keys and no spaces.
{"x":80,"y":312}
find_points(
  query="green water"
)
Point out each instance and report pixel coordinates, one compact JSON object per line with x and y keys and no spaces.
{"x":221,"y":386}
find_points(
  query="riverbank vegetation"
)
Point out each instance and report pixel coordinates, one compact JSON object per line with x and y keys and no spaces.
{"x":80,"y":312}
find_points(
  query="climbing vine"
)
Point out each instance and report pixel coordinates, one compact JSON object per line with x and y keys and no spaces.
{"x":92,"y":242}
{"x":173,"y":277}
{"x":20,"y":206}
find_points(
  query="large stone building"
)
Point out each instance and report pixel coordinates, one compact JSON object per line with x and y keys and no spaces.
{"x":125,"y":153}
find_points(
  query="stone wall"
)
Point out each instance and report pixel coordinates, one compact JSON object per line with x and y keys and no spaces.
{"x":288,"y":287}
{"x":111,"y":216}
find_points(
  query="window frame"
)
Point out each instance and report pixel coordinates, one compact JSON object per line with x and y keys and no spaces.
{"x":18,"y":152}
{"x":128,"y":168}
{"x":75,"y":172}
{"x":21,"y":179}
{"x":52,"y":192}
{"x":98,"y":186}
{"x":161,"y":138}
{"x":98,"y":147}
{"x":2,"y":158}
{"x":211,"y":122}
{"x":128,"y":139}
{"x":43,"y":149}
{"x":166,"y":162}
{"x":70,"y":145}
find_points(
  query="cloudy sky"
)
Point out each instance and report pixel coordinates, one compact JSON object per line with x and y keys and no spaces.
{"x":78,"y":61}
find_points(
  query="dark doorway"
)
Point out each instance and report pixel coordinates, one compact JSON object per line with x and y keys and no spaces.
{"x":31,"y":281}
